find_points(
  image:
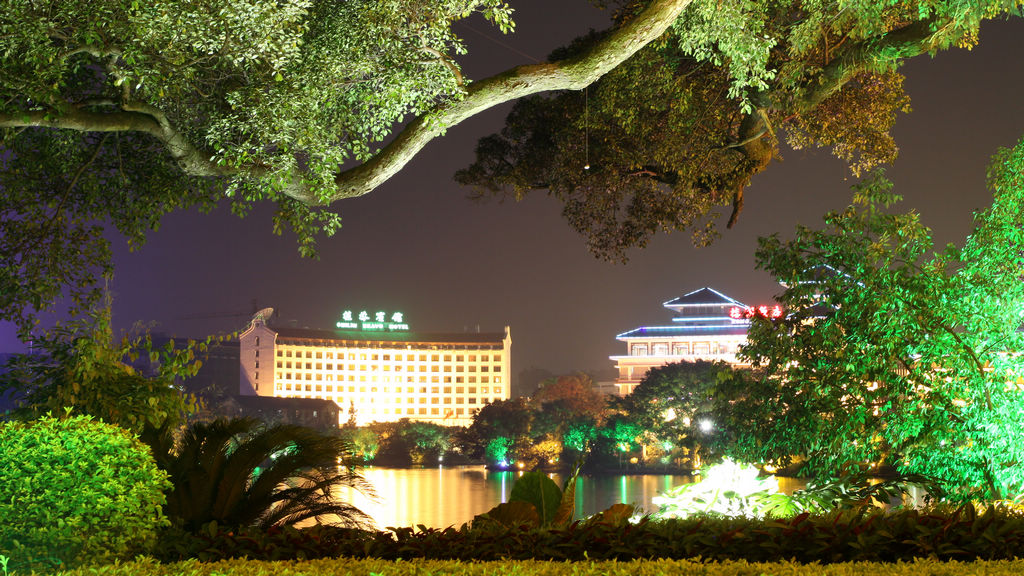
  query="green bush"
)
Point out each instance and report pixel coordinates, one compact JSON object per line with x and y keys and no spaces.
{"x":76,"y":490}
{"x":862,"y":535}
{"x":338,"y":566}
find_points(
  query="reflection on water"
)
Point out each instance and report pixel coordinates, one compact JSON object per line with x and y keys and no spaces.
{"x":450,"y":496}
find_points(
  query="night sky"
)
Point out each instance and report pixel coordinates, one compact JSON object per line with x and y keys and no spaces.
{"x":419,"y":246}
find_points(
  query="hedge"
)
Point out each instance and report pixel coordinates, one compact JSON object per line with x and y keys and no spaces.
{"x":375,"y":567}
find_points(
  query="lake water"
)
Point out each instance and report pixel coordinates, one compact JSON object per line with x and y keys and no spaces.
{"x":450,"y":496}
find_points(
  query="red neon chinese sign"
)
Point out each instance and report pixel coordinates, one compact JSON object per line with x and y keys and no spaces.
{"x":764,"y":311}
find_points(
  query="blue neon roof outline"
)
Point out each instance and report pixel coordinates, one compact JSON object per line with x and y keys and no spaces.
{"x":666,"y":304}
{"x":682,"y":330}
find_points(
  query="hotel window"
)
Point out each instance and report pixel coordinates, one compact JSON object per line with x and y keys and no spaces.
{"x":472,"y":357}
{"x":447,"y":379}
{"x":288,"y":354}
{"x":320,"y":355}
{"x":497,"y":379}
{"x":435,"y":411}
{"x":447,"y":400}
{"x":279,"y":353}
{"x":447,"y":357}
{"x":701,"y":348}
{"x":460,"y":390}
{"x":660,"y":349}
{"x":423,"y":357}
{"x":497,"y":389}
{"x":460,"y":400}
{"x":680,"y":349}
{"x":387,"y":357}
{"x":288,"y":376}
{"x":319,"y":366}
{"x":309,"y":354}
{"x":459,"y":411}
{"x":435,"y":400}
{"x":460,"y":369}
{"x":497,"y":368}
{"x":330,"y":355}
{"x":257,"y":364}
{"x":639,"y":350}
{"x":374,"y":357}
{"x":472,"y":379}
{"x":423,"y":411}
{"x":319,"y":388}
{"x":287,"y":386}
{"x":309,"y":365}
{"x":472,"y":389}
{"x":309,"y":388}
{"x":484,"y":390}
{"x":460,"y":358}
{"x":459,"y":379}
{"x":484,"y":380}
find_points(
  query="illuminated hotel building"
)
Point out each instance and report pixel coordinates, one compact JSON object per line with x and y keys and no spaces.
{"x":708,"y":325}
{"x":379,"y":368}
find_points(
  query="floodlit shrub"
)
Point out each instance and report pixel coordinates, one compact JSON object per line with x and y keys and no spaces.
{"x":732,"y":489}
{"x":75,"y":491}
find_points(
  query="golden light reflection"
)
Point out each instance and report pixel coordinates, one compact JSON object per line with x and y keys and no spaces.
{"x":450,"y":496}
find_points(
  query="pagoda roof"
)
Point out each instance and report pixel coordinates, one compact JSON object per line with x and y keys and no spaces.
{"x":703,"y":297}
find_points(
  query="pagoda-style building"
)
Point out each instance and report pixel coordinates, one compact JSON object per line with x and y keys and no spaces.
{"x":708,"y":325}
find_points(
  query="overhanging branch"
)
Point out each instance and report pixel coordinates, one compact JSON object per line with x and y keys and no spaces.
{"x":572,"y":74}
{"x":142,"y":118}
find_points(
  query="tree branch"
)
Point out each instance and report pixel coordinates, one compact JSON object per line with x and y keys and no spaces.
{"x":906,"y":42}
{"x":572,"y":74}
{"x":137,"y":118}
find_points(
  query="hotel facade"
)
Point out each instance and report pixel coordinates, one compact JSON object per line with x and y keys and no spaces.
{"x":707,"y":325}
{"x":378,"y":370}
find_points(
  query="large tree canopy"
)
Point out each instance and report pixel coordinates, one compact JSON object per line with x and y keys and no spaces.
{"x":119,"y":111}
{"x":893,"y":353}
{"x":680,"y":128}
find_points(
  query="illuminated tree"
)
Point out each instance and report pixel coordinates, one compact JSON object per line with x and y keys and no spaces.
{"x":120,"y":112}
{"x":78,"y":367}
{"x":502,"y":427}
{"x":675,"y":403}
{"x":893,"y":353}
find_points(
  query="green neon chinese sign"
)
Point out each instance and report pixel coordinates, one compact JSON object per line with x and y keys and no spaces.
{"x":377,"y":321}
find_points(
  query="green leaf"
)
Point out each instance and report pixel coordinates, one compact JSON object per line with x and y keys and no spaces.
{"x":537,"y":489}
